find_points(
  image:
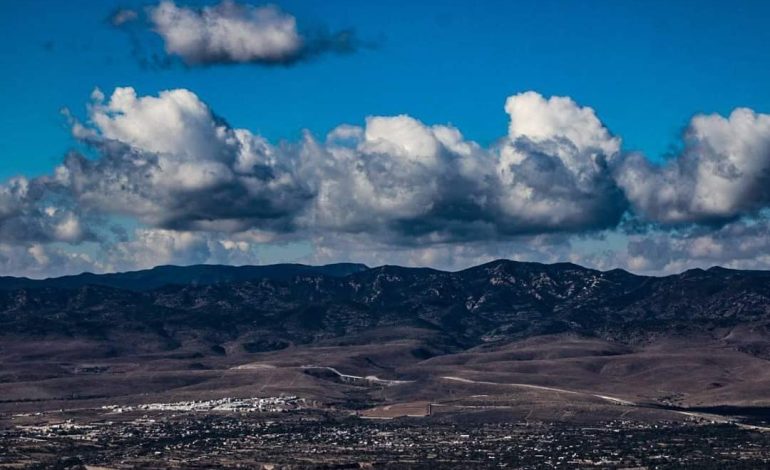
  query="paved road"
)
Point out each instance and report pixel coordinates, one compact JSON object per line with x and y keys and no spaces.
{"x":368,"y":378}
{"x":619,"y":401}
{"x":615,"y":400}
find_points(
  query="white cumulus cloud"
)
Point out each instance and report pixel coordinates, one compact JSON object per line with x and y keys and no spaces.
{"x":227,"y":32}
{"x":170,"y":162}
{"x":555,"y":166}
{"x":195,"y":189}
{"x":722,"y":173}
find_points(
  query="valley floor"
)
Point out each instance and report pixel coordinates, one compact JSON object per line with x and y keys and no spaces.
{"x":314,"y":439}
{"x":562,"y":401}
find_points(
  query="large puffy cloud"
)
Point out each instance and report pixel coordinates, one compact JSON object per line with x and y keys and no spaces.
{"x":722,"y":173}
{"x":420,"y":183}
{"x":555,"y":167}
{"x":560,"y":119}
{"x":231,"y":32}
{"x":397,"y":177}
{"x":171,"y":163}
{"x":393,"y":189}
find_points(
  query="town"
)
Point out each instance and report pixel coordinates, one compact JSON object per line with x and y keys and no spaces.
{"x":241,"y":405}
{"x":210,"y":435}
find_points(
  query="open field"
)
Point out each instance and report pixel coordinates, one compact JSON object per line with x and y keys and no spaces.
{"x":563,"y":377}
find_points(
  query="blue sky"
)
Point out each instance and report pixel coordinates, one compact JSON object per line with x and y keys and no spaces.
{"x":571,"y":114}
{"x":644,"y":66}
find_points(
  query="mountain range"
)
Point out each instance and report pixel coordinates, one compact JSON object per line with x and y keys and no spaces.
{"x":293,"y":303}
{"x":690,"y":337}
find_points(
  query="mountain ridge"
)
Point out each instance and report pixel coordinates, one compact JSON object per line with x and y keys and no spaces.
{"x":205,"y":274}
{"x":297,"y":304}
